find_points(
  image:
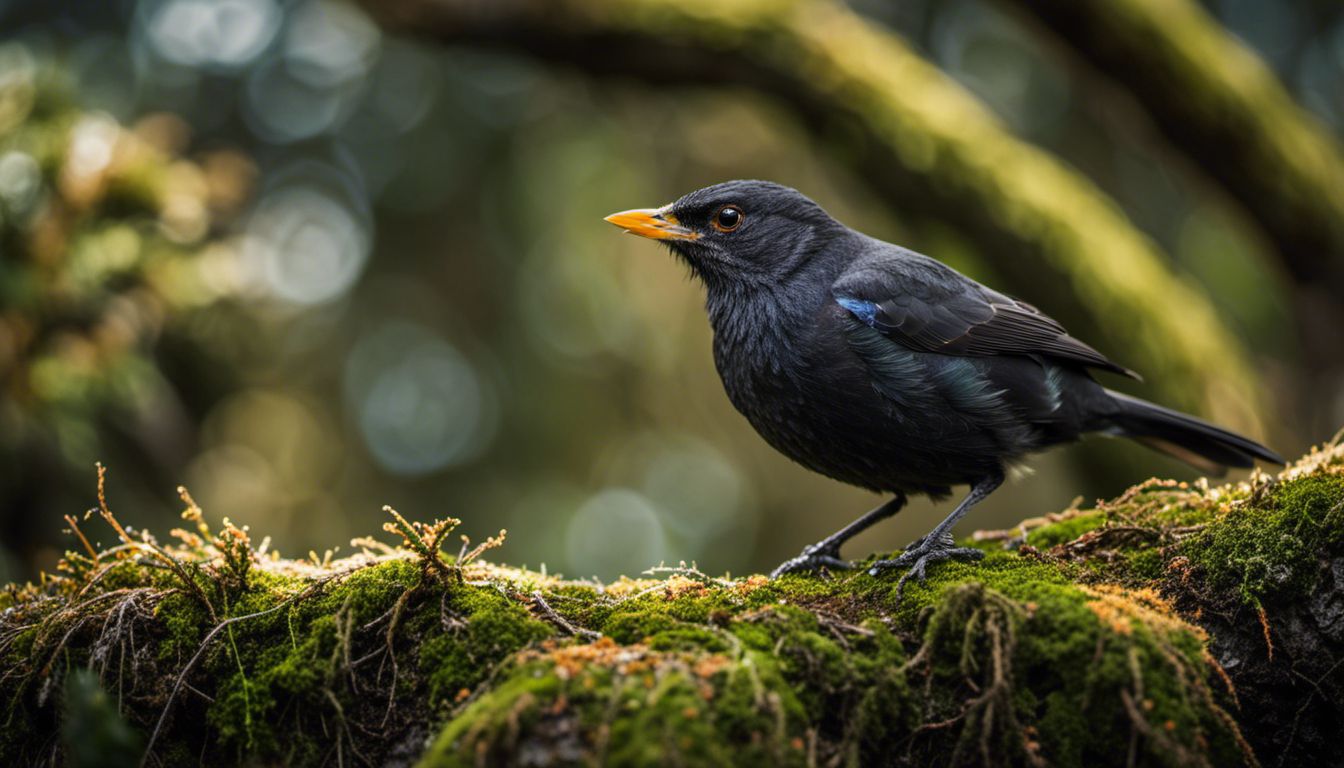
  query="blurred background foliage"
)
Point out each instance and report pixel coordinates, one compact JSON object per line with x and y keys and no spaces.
{"x":308,"y":261}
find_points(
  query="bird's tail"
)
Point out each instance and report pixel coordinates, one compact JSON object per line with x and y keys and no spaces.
{"x":1196,"y":442}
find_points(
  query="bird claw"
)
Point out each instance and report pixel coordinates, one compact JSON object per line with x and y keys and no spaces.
{"x":920,"y":555}
{"x":813,"y":558}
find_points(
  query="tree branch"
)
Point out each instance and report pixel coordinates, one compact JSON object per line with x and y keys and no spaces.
{"x":1217,"y":102}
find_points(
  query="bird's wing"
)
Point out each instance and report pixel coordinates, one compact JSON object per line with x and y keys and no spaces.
{"x":929,"y":307}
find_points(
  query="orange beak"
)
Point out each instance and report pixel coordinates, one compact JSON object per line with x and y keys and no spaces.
{"x":653,"y":223}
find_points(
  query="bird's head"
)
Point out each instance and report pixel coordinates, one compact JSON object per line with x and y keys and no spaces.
{"x":738,"y":232}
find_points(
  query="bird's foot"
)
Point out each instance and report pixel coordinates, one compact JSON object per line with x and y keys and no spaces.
{"x":922,"y":553}
{"x":813,"y":558}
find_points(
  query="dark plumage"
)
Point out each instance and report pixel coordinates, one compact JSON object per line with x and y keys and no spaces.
{"x":885,"y":369}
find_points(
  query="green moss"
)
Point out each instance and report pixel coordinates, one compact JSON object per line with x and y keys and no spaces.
{"x":1061,"y":658}
{"x":491,"y":628}
{"x":369,"y":592}
{"x":184,"y":623}
{"x":1274,"y":548}
{"x":631,"y":705}
{"x":1143,"y":564}
{"x":1008,"y":573}
{"x":1256,"y":539}
{"x":485,"y":719}
{"x":1059,"y":664}
{"x":288,"y":671}
{"x":1059,"y":653}
{"x":1065,"y":530}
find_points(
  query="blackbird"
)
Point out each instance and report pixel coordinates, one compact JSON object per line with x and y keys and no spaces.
{"x":885,"y":369}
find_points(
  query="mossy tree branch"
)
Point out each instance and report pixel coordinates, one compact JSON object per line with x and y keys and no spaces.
{"x":918,"y":138}
{"x":1177,"y":624}
{"x":1218,"y":103}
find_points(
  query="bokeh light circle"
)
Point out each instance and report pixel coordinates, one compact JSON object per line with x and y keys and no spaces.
{"x":305,"y":245}
{"x":219,"y":34}
{"x":421,"y":406}
{"x":20,"y":181}
{"x":702,"y":489}
{"x":614,"y":532}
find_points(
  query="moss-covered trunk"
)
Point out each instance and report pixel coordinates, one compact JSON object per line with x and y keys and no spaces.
{"x":1174,"y":625}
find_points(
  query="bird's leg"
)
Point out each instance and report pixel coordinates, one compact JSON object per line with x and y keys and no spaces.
{"x":939,"y":545}
{"x":827,"y":551}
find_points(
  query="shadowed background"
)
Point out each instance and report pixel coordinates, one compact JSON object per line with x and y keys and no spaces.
{"x":307,"y":261}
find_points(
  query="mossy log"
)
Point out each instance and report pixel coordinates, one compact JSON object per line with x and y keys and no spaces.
{"x":917,"y":138}
{"x":1175,"y":625}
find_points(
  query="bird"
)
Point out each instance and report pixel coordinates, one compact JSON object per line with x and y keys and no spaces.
{"x":888,"y":370}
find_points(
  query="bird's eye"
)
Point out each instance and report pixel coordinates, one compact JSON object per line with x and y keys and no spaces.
{"x":728,"y":218}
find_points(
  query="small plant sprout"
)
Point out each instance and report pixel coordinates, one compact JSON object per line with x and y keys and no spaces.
{"x":426,"y":540}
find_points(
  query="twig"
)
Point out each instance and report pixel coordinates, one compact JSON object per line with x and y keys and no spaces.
{"x":74,"y":527}
{"x":388,"y":638}
{"x":690,"y":572}
{"x":144,"y":542}
{"x":561,"y":621}
{"x":1264,"y":626}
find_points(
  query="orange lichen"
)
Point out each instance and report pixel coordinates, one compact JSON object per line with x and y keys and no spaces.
{"x":1121,"y":608}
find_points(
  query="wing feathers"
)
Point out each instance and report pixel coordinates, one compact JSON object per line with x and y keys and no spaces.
{"x":931,"y":308}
